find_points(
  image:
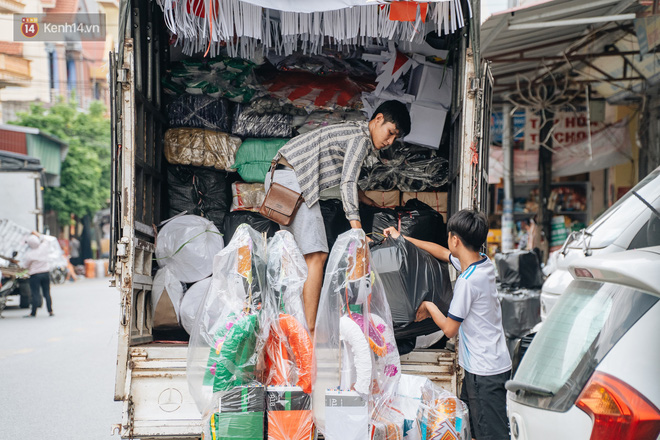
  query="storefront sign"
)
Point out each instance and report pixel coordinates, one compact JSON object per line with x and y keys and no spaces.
{"x":569,"y":127}
{"x":497,"y":126}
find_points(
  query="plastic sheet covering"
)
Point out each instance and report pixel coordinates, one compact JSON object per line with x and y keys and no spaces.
{"x":409,"y":168}
{"x":256,"y":121}
{"x":334,"y":220}
{"x":199,"y":111}
{"x":410,"y":276}
{"x":323,"y":119}
{"x":247,"y":196}
{"x":354,"y":341}
{"x":257,"y":221}
{"x":198,"y":191}
{"x":166,"y":295}
{"x":289,"y":350}
{"x":442,"y":415}
{"x":521,"y":311}
{"x":416,"y":219}
{"x":254,"y":157}
{"x":519,"y":269}
{"x":200,"y":147}
{"x":347,"y":415}
{"x":191,"y":301}
{"x":237,"y":414}
{"x":229,"y":332}
{"x":186,"y":246}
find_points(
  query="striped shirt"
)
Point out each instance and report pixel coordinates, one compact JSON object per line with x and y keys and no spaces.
{"x":330,"y":156}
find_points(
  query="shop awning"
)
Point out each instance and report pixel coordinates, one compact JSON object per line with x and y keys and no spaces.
{"x":609,"y":147}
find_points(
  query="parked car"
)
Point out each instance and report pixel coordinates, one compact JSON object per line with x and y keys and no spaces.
{"x":591,"y":372}
{"x":632,"y":222}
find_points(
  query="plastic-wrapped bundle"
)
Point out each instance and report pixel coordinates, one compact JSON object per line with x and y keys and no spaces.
{"x":251,"y":123}
{"x":407,"y":402}
{"x":254,"y":157}
{"x":354,"y":341}
{"x":415,"y":219}
{"x":257,"y":221}
{"x":521,"y":311}
{"x":229,"y":332}
{"x":409,"y":169}
{"x":288,"y":353}
{"x":186,"y":246}
{"x":199,"y":111}
{"x":442,"y":415}
{"x":519,"y":269}
{"x":198,"y":191}
{"x":166,"y":295}
{"x":237,"y":414}
{"x":200,"y":147}
{"x":191,"y":301}
{"x":410,"y":276}
{"x":247,"y":196}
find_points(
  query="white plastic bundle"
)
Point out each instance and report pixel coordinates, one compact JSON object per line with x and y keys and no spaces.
{"x":166,"y":295}
{"x":186,"y":245}
{"x":229,"y":331}
{"x":191,"y":302}
{"x":354,"y":339}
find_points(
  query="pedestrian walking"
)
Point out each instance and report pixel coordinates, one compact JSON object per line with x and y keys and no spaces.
{"x":37,"y":264}
{"x":474,"y":312}
{"x":329,"y":159}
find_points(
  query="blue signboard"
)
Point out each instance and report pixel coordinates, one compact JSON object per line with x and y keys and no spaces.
{"x":497,"y":122}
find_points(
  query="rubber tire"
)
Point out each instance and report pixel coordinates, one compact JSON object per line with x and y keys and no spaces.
{"x":25,"y":293}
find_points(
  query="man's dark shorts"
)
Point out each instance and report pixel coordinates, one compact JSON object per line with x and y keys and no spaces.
{"x":485,"y":397}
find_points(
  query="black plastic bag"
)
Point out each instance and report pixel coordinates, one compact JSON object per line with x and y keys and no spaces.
{"x":521,"y":311}
{"x":416,"y":219}
{"x":334,"y":220}
{"x":199,"y":191}
{"x":258,"y":222}
{"x":410,"y":276}
{"x":200,"y":111}
{"x":519,"y":269}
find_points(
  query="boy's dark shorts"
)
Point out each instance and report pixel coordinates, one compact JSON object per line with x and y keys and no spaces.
{"x":485,"y":397}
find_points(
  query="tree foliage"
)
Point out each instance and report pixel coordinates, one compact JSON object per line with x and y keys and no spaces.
{"x":85,"y":175}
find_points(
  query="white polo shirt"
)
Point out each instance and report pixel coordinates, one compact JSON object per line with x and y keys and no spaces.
{"x":482,"y":346}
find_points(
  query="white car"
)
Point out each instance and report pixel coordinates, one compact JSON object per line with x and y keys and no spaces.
{"x":593,"y":370}
{"x":630,"y":223}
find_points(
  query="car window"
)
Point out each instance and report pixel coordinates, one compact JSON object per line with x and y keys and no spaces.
{"x":589,"y":318}
{"x":619,"y":216}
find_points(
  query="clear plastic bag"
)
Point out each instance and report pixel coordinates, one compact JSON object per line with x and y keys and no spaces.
{"x":199,"y":111}
{"x":229,"y":332}
{"x":200,"y":147}
{"x":166,"y":295}
{"x":247,"y":196}
{"x":289,"y":413}
{"x":442,"y":415}
{"x":354,"y":340}
{"x":238,"y":413}
{"x":186,"y":245}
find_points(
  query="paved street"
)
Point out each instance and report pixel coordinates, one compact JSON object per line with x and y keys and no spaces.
{"x":57,"y":373}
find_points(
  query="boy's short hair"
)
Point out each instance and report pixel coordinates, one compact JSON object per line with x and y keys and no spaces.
{"x":471,"y":227}
{"x":395,"y":112}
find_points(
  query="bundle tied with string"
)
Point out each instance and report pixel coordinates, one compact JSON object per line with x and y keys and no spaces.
{"x":354,"y":341}
{"x":288,"y":353}
{"x":229,"y":332}
{"x":186,"y":246}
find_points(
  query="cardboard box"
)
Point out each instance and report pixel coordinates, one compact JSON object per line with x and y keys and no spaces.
{"x":240,"y":414}
{"x":289,"y":413}
{"x":435,"y":199}
{"x":385,"y":199}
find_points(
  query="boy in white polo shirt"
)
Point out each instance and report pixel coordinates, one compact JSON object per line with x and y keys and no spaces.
{"x":475,"y":315}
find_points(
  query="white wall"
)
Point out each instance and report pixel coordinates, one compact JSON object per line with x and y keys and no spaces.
{"x":20,"y":198}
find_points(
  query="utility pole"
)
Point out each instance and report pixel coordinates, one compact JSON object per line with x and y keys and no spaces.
{"x":507,"y":150}
{"x":545,"y":174}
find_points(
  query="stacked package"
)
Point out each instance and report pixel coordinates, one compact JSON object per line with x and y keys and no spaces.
{"x":200,"y":147}
{"x":358,"y":364}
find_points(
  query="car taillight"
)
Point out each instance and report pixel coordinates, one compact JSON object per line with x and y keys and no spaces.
{"x":619,"y":412}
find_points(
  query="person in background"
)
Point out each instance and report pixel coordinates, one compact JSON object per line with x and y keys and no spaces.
{"x":475,"y":314}
{"x":36,"y":262}
{"x":74,"y":249}
{"x":326,"y":159}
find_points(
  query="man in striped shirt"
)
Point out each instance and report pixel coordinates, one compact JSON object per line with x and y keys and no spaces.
{"x":325,"y":159}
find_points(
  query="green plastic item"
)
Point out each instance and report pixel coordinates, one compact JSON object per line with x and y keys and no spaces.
{"x":254,"y":157}
{"x":237,"y":426}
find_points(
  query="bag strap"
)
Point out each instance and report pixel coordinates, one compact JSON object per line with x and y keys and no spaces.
{"x":273,"y":164}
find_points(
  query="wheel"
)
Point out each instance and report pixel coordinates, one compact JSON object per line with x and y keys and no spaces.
{"x":58,"y":275}
{"x":26,"y":294}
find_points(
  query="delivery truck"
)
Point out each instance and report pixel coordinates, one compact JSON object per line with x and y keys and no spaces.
{"x":151,"y":371}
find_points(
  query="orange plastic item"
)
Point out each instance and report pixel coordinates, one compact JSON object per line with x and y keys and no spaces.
{"x":90,"y":268}
{"x":277,"y":357}
{"x":290,"y":425}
